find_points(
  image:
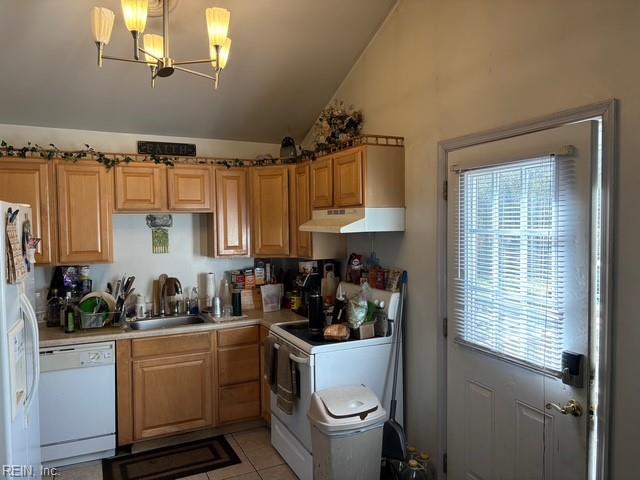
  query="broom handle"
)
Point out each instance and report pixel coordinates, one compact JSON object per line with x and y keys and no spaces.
{"x":398,"y":328}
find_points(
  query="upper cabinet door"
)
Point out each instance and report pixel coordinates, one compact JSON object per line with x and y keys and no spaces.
{"x":303,"y":209}
{"x":322,"y":183}
{"x":231,"y":212}
{"x":84,"y":212}
{"x":270,"y":191}
{"x":30,"y":181}
{"x":347,"y":179}
{"x":140,"y":187}
{"x":189,"y":188}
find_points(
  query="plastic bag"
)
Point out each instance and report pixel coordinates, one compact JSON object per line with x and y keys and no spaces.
{"x":357,"y":307}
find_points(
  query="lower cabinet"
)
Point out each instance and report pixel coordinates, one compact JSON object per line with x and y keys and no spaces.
{"x":265,"y":389}
{"x":178,"y":383}
{"x":164,"y":385}
{"x":238,"y":365}
{"x":171,"y":394}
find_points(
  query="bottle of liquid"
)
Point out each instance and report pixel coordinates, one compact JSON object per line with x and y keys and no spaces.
{"x":381,"y":322}
{"x":413,"y":471}
{"x":70,"y":315}
{"x":412,"y":453}
{"x":54,"y":307}
{"x":227,"y":309}
{"x":429,"y":468}
{"x":193,"y":302}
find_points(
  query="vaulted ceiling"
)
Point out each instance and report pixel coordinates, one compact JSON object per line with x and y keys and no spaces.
{"x":287,"y":59}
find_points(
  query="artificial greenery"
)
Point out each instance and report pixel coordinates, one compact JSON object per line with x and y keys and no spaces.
{"x":336,"y":125}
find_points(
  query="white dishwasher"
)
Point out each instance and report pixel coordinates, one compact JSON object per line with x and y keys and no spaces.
{"x":77,"y":403}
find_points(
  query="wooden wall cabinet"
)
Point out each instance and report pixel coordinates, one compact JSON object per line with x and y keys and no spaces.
{"x":300,"y":194}
{"x":30,"y":181}
{"x":189,"y":188}
{"x":270,"y":210}
{"x":238,"y":373}
{"x":363,"y":176}
{"x":84,"y":196}
{"x":231,"y":216}
{"x":165,"y":386}
{"x":140,"y":187}
{"x":321,"y":187}
{"x":347,"y":179}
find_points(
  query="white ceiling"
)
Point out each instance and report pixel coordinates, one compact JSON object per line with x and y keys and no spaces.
{"x":287,"y":59}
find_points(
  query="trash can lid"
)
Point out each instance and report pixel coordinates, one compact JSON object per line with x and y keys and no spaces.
{"x":345,"y":408}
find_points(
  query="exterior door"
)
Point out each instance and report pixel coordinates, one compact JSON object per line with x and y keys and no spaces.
{"x":518,"y":302}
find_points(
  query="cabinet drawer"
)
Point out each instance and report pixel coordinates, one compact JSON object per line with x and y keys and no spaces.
{"x":239,"y":402}
{"x":237,"y":336}
{"x":238,"y":365}
{"x":193,"y":342}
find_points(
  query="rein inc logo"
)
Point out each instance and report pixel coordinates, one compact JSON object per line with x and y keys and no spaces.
{"x":28,"y":471}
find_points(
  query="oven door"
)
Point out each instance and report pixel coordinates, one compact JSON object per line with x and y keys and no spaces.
{"x":297,"y":423}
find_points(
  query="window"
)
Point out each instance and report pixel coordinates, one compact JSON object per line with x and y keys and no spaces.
{"x":510,"y":259}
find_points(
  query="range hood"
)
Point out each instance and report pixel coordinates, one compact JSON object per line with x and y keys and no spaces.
{"x":355,"y":220}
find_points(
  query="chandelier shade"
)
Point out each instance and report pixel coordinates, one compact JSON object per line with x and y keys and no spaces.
{"x":153,"y":48}
{"x":217,"y":25}
{"x":220,"y":59}
{"x":135,"y":14}
{"x":102,"y":24}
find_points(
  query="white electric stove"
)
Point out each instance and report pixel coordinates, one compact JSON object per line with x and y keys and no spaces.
{"x":322,"y":364}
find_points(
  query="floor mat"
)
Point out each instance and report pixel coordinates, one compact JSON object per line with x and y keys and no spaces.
{"x":172,"y":462}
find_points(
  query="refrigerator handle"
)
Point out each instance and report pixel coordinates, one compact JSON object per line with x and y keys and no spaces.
{"x":32,"y":321}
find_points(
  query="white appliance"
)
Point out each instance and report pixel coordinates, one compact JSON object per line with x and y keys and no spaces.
{"x":78,"y":403}
{"x":19,"y":365}
{"x":323,"y":365}
{"x":356,"y":220}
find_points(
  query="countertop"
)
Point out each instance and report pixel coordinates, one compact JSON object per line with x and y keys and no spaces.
{"x":55,"y":337}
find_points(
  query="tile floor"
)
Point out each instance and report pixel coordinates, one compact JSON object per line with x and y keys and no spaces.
{"x":258,"y":460}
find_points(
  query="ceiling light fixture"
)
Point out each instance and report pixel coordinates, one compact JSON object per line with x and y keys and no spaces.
{"x":156,"y":47}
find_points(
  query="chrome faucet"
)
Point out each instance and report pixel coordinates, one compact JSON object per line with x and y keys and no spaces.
{"x":175,"y":287}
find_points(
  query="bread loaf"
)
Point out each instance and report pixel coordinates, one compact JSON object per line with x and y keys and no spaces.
{"x":337,"y":333}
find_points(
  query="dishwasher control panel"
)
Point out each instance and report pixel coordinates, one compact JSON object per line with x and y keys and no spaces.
{"x":77,"y":356}
{"x":96,"y":357}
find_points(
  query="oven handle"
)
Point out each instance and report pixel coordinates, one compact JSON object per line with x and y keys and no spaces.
{"x":294,"y":358}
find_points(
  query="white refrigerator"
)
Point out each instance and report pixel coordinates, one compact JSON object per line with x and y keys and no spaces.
{"x":19,"y":365}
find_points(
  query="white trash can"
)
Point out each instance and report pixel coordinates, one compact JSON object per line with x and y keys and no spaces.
{"x":346,"y":433}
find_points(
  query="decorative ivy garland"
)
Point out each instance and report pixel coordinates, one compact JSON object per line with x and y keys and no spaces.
{"x":111,"y":160}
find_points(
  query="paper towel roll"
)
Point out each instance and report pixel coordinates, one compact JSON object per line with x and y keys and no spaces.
{"x":210,"y":291}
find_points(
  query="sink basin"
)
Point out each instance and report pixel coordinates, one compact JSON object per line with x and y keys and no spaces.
{"x":166,"y":322}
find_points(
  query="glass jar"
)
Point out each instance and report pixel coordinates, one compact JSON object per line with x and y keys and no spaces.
{"x":413,"y":471}
{"x":429,"y":468}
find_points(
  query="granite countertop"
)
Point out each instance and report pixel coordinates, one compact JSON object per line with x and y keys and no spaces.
{"x":55,"y":337}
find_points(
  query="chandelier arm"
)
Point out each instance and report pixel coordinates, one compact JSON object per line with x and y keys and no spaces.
{"x":194,"y":72}
{"x":122,"y":59}
{"x":191,"y":62}
{"x":165,"y":28}
{"x":150,"y":54}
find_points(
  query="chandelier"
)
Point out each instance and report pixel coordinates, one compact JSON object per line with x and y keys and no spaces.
{"x":156,"y":47}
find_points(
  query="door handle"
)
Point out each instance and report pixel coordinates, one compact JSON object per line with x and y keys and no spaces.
{"x":571,"y":408}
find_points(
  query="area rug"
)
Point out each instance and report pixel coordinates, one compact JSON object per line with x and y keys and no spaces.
{"x":172,"y":462}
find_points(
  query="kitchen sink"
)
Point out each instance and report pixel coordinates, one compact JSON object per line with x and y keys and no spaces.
{"x":166,"y":322}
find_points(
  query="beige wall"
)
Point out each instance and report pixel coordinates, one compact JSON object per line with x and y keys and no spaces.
{"x":443,"y":68}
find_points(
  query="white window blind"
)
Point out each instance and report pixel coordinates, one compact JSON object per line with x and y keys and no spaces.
{"x":510,"y":260}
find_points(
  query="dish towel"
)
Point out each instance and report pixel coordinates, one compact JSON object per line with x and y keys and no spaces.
{"x":270,"y":363}
{"x":286,"y":383}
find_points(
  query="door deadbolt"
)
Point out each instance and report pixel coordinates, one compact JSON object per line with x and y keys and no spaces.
{"x":571,"y":408}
